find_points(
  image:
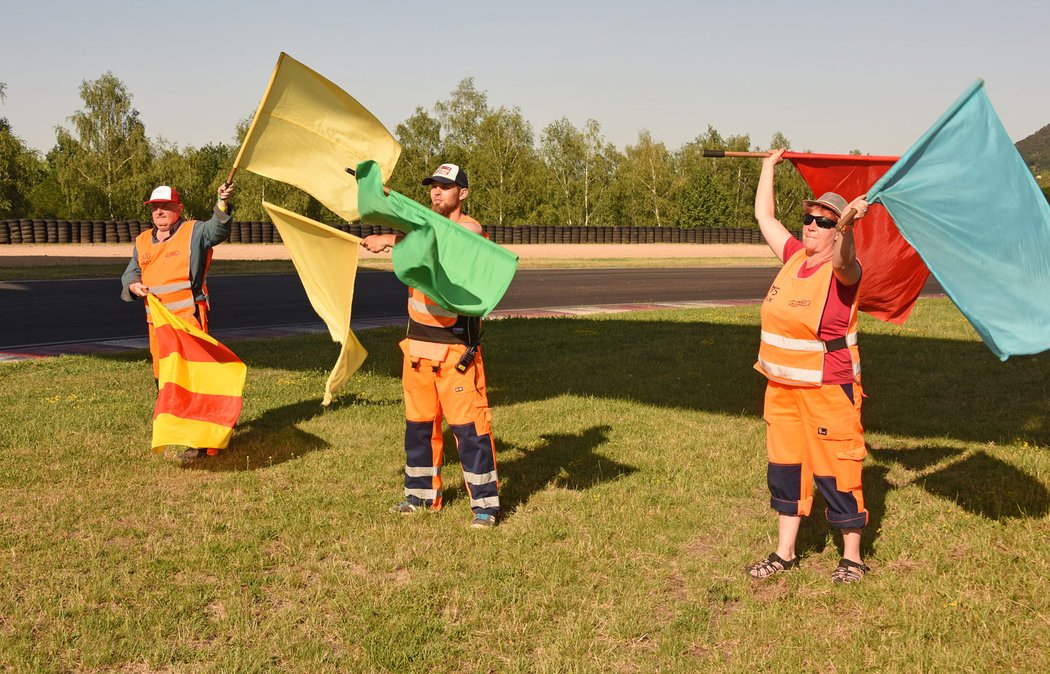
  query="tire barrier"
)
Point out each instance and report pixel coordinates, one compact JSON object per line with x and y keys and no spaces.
{"x":17,"y":231}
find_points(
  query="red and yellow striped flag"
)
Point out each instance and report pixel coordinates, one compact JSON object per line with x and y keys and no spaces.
{"x":201,"y":383}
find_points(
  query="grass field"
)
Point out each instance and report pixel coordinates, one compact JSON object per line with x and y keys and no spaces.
{"x":632,"y":466}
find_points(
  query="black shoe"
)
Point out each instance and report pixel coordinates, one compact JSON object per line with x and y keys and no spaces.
{"x":191,"y":455}
{"x":849,"y":571}
{"x":771,"y":566}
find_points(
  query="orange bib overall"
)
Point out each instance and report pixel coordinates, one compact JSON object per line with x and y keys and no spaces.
{"x":435,"y":388}
{"x":813,"y":429}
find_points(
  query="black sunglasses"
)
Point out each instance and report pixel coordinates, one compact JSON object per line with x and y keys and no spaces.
{"x":822,"y":222}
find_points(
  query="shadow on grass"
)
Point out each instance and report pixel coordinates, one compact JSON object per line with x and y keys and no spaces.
{"x":978,"y":483}
{"x":915,"y":386}
{"x":271,"y":439}
{"x":876,"y":489}
{"x":563,"y":460}
{"x":986,"y":486}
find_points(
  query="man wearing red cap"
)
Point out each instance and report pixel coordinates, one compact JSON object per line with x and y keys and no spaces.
{"x":443,"y":376}
{"x":171,"y":262}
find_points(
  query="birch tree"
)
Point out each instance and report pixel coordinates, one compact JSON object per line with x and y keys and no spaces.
{"x":420,"y":139}
{"x":563,"y":152}
{"x":581,"y":163}
{"x":460,"y":118}
{"x":645,"y":182}
{"x":505,"y":172}
{"x":103,"y":168}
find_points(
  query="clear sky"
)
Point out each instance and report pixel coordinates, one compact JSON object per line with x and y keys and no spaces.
{"x":830,"y":75}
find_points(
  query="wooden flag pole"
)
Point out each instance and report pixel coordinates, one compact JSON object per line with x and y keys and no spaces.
{"x":723,"y":153}
{"x":255,"y":118}
{"x":844,"y":222}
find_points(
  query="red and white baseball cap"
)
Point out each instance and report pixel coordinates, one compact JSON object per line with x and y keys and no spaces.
{"x":162,"y":194}
{"x":448,"y":174}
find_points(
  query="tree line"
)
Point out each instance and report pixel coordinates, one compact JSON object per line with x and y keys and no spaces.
{"x":103,"y":165}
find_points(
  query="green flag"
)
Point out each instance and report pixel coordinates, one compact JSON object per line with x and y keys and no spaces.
{"x":463,"y":272}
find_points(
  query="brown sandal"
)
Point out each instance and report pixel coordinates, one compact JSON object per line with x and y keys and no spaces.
{"x":849,"y":571}
{"x":771,"y":566}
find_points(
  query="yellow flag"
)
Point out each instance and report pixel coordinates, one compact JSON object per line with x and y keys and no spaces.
{"x":326,"y":260}
{"x":307,"y":131}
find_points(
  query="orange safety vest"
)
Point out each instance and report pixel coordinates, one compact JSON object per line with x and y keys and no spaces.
{"x":422,"y":309}
{"x":165,"y":269}
{"x":791,"y":351}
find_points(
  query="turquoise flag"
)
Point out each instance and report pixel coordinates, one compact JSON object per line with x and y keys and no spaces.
{"x":963,"y":197}
{"x":462,"y":271}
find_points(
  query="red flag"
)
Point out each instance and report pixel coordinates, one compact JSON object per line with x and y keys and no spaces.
{"x":894,"y":274}
{"x":201,"y":384}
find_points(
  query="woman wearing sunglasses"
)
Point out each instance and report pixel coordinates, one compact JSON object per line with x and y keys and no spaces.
{"x":808,"y":353}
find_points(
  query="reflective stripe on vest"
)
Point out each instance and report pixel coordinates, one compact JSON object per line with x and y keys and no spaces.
{"x":430,"y":322}
{"x":791,"y":351}
{"x":424,"y":310}
{"x":178,"y":308}
{"x":163,"y":290}
{"x":802,"y":344}
{"x":165,"y":267}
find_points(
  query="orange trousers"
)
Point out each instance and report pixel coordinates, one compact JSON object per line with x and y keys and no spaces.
{"x":433,"y":390}
{"x":815,"y":435}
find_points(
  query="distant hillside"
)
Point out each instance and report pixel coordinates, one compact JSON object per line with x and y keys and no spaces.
{"x":1036,"y":149}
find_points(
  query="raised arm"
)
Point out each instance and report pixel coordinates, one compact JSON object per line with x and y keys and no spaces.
{"x":217,"y":229}
{"x":844,"y":253}
{"x":773,"y":231}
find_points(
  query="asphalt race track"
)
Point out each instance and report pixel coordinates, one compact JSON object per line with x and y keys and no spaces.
{"x":40,"y":313}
